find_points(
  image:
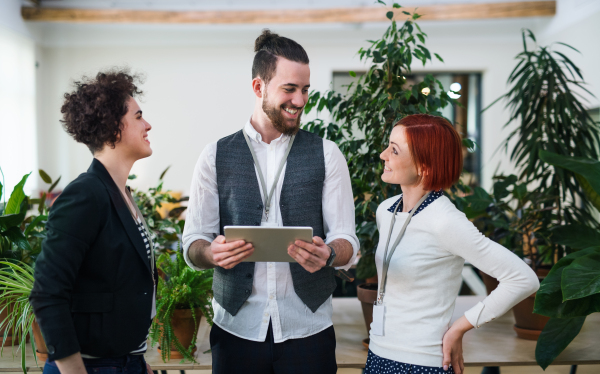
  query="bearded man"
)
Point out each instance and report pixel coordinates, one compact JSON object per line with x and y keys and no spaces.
{"x":272,"y":317}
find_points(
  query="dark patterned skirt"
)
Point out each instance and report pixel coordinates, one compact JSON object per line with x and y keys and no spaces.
{"x":380,"y":365}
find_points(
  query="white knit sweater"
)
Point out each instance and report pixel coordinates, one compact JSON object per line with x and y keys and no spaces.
{"x":424,"y":279}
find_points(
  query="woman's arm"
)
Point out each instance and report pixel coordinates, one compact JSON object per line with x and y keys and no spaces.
{"x":73,"y":224}
{"x":72,"y":364}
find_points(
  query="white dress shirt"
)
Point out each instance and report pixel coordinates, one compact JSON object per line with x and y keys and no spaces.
{"x":273,"y":297}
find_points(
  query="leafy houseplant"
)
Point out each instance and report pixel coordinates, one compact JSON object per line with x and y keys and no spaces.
{"x":571,"y":291}
{"x":181,"y":288}
{"x":16,"y":283}
{"x":550,"y":117}
{"x":167,"y":230}
{"x":363,"y":118}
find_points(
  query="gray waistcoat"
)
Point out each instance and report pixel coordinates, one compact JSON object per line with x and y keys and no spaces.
{"x":240,"y":204}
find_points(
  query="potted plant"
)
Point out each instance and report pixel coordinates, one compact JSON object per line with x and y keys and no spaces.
{"x":183,"y":296}
{"x":362,"y":120}
{"x":550,"y":117}
{"x":571,"y":290}
{"x":16,"y":283}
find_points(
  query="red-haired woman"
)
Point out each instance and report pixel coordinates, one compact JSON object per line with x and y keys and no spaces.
{"x":424,"y":242}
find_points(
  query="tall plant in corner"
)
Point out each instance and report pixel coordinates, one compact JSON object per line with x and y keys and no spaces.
{"x":546,"y":103}
{"x":363,"y":117}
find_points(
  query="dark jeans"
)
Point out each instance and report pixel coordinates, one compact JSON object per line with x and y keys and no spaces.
{"x":380,"y":365}
{"x":129,"y":364}
{"x":313,"y":355}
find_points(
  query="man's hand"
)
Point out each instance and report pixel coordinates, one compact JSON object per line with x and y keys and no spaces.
{"x":311,"y":256}
{"x":207,"y":255}
{"x":227,"y":255}
{"x":452,"y":345}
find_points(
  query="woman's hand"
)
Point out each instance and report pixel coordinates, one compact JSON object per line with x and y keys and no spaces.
{"x":452,"y":345}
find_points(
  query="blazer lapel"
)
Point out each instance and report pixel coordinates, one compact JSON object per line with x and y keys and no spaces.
{"x":122,"y":210}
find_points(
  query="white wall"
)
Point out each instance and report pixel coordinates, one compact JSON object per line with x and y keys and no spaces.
{"x":18,"y":151}
{"x":198,"y":78}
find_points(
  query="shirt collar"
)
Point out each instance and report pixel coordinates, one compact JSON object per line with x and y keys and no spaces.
{"x":255,"y":135}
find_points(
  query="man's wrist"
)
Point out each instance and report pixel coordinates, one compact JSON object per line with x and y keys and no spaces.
{"x":331,"y":258}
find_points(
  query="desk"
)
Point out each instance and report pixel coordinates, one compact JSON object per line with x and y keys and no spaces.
{"x":494,"y":344}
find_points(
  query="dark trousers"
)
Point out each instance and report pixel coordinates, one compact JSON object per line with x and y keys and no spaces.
{"x":311,"y":355}
{"x":129,"y":364}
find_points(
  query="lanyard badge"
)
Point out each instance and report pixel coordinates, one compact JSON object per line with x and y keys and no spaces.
{"x":378,"y":307}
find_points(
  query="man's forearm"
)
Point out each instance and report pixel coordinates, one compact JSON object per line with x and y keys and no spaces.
{"x":199,"y":254}
{"x":343,"y":252}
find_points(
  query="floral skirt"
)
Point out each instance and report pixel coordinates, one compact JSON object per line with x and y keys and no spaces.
{"x":380,"y":365}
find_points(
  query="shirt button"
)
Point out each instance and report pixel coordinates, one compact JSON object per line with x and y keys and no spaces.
{"x":270,"y":296}
{"x":247,"y":292}
{"x":248,"y":275}
{"x":270,"y":265}
{"x":266,"y":314}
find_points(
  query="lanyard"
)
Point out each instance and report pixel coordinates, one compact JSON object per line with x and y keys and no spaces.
{"x":268,"y":196}
{"x":386,"y":258}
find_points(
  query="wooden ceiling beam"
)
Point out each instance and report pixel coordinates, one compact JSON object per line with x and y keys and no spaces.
{"x":287,"y":16}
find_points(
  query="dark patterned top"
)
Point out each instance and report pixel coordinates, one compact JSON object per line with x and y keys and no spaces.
{"x":434,"y":195}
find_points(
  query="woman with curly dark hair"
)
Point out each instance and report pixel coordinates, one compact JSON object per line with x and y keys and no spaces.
{"x":94,"y":290}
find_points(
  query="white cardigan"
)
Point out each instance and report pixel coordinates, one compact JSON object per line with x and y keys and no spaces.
{"x":424,"y":279}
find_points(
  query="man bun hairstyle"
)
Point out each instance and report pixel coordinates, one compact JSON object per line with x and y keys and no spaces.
{"x":92,"y":113}
{"x":268,"y":47}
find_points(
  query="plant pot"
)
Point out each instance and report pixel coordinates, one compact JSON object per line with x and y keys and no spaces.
{"x":184,"y":328}
{"x":490,"y":282}
{"x":367,"y":294}
{"x":41,"y":351}
{"x":528,"y":325}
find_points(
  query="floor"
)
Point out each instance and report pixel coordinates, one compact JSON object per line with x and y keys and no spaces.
{"x":582,"y":369}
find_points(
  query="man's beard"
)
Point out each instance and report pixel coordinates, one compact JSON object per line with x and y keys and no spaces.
{"x":278,"y":119}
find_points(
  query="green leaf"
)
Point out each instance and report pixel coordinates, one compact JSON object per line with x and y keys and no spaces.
{"x":1,"y":187}
{"x":15,"y":235}
{"x":54,"y":184}
{"x":162,"y":175}
{"x":576,"y":236}
{"x":366,"y":267}
{"x":11,"y":220}
{"x":479,"y":200}
{"x":549,"y":298}
{"x":439,"y":57}
{"x":132,"y":177}
{"x":352,"y":74}
{"x":45,"y":177}
{"x":556,"y":336}
{"x":16,"y":197}
{"x":36,"y":221}
{"x":397,"y":6}
{"x":389,"y":15}
{"x":582,"y":277}
{"x":587,"y":168}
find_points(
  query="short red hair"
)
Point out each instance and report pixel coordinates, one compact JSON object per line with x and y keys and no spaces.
{"x":436,"y":149}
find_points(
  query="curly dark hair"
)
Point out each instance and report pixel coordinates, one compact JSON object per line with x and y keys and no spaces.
{"x":92,"y":113}
{"x":268,"y":46}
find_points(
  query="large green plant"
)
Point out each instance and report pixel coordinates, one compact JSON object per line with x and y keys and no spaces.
{"x":551,"y":117}
{"x":16,"y":283}
{"x":362,"y":118}
{"x":180,"y":288}
{"x":571,"y":291}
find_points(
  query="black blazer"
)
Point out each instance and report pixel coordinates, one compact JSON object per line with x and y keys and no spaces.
{"x":93,"y":285}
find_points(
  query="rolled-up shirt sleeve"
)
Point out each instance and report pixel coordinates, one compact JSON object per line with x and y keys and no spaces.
{"x":338,"y":201}
{"x":202,"y":216}
{"x":516,"y":279}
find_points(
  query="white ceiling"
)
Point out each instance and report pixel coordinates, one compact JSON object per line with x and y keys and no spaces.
{"x":239,"y":4}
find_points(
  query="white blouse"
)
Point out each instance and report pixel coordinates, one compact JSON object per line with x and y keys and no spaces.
{"x":424,"y":278}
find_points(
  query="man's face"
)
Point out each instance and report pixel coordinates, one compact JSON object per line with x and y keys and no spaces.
{"x":286,"y":94}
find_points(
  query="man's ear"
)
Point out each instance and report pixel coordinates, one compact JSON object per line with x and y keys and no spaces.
{"x":258,"y":86}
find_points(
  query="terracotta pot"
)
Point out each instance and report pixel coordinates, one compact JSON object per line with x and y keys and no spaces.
{"x":490,"y":283}
{"x":367,"y":294}
{"x":528,"y":325}
{"x":184,"y":328}
{"x":40,"y":344}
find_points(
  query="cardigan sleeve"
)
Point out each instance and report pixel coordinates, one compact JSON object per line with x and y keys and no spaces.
{"x":73,"y":225}
{"x":517,"y":280}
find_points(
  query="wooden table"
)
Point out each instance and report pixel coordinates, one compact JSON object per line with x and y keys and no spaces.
{"x":494,"y":344}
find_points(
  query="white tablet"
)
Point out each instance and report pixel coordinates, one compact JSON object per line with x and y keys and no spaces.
{"x":270,"y":243}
